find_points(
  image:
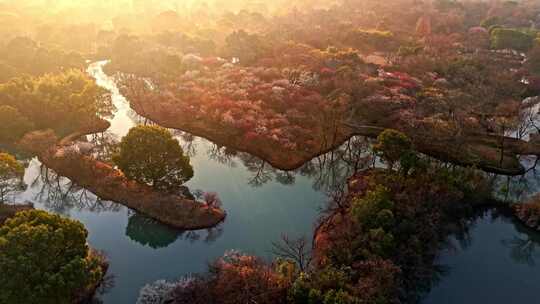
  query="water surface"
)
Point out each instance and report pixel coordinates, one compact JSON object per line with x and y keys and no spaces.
{"x":498,"y":263}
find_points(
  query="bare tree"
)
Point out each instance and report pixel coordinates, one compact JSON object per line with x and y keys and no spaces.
{"x":297,"y":250}
{"x":212,"y":200}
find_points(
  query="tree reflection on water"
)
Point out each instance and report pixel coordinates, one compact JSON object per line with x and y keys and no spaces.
{"x":327,"y":171}
{"x":61,"y":195}
{"x":524,"y":245}
{"x":149,"y":232}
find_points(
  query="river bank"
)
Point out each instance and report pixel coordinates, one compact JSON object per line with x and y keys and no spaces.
{"x":274,"y":154}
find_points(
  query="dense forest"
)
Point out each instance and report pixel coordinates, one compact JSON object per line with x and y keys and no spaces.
{"x":410,"y":118}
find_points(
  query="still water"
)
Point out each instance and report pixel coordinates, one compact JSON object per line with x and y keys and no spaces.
{"x":496,"y":263}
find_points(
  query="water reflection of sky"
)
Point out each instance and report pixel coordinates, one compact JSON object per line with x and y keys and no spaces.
{"x":498,"y":264}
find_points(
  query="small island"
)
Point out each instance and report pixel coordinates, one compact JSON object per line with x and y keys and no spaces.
{"x":111,"y":184}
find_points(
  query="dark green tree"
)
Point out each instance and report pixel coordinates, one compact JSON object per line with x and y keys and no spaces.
{"x":150,"y":155}
{"x":393,"y":146}
{"x":14,"y":125}
{"x":507,"y":38}
{"x":248,"y":48}
{"x":45,"y":259}
{"x":66,"y":102}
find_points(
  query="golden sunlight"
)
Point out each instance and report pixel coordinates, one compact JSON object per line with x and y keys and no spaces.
{"x":270,"y":152}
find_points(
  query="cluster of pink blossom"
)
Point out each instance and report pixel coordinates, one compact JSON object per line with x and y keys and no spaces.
{"x":266,"y":104}
{"x":289,"y":103}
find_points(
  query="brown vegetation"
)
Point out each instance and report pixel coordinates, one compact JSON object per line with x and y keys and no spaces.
{"x":529,"y":212}
{"x":7,"y":211}
{"x":276,"y":155}
{"x":489,"y":152}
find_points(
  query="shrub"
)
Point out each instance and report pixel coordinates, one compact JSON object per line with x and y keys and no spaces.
{"x":212,"y":200}
{"x":234,"y":278}
{"x":392,"y":146}
{"x":239,"y":278}
{"x":373,"y":207}
{"x":374,"y":213}
{"x":507,"y":38}
{"x":38,"y":142}
{"x":45,"y":259}
{"x":326,"y":286}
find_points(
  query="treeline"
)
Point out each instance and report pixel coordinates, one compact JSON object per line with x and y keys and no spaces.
{"x":24,"y":56}
{"x":64,"y":102}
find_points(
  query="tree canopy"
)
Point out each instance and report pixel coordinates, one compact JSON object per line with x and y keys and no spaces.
{"x":392,"y":146}
{"x":45,"y":259}
{"x":63,"y":102}
{"x":150,"y":155}
{"x":14,"y":124}
{"x":22,"y":55}
{"x":508,"y":38}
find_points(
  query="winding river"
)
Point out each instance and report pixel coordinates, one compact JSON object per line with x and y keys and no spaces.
{"x":261,"y":206}
{"x":496,"y":257}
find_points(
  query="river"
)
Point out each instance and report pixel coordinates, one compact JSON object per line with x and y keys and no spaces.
{"x":262,"y":204}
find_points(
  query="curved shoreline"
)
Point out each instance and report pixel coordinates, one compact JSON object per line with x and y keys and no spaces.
{"x":110,"y":184}
{"x":277,"y":157}
{"x":490,"y":152}
{"x":477,"y":150}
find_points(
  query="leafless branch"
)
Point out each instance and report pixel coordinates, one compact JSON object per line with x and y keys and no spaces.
{"x":296,"y":250}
